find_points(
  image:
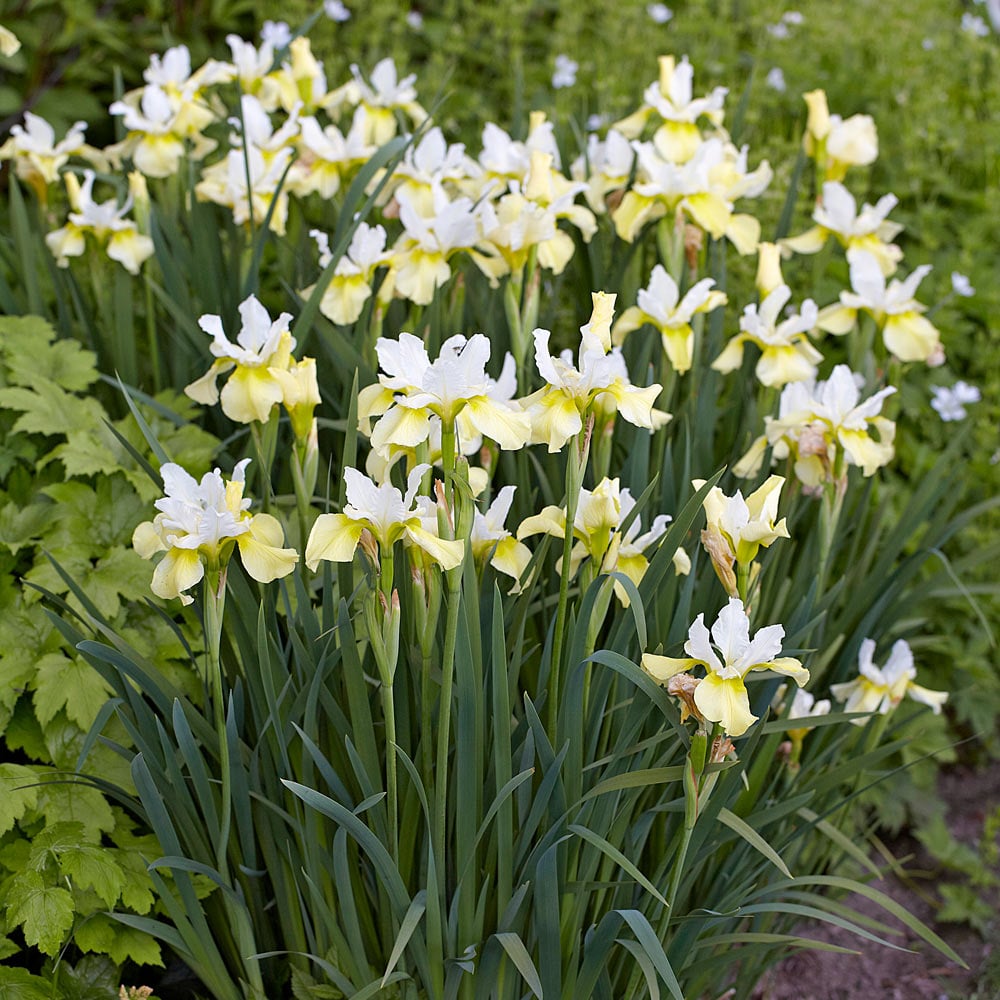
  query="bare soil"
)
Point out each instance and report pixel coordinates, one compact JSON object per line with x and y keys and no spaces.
{"x":922,"y":973}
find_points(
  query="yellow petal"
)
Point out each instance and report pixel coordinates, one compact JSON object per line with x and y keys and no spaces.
{"x":662,"y":668}
{"x":725,"y":700}
{"x":510,"y":428}
{"x":250,"y":394}
{"x":511,"y":557}
{"x":743,"y":231}
{"x":448,"y":553}
{"x":633,"y":213}
{"x":146,"y":540}
{"x":176,"y":572}
{"x":837,"y":319}
{"x":204,"y":389}
{"x":334,"y":537}
{"x":260,"y":549}
{"x":910,"y":336}
{"x":551,"y":521}
{"x":709,"y":211}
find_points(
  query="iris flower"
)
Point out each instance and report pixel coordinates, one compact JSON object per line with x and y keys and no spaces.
{"x":727,"y":656}
{"x":199,"y":523}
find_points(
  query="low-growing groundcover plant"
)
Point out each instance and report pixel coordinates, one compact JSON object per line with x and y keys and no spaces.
{"x":544,"y":568}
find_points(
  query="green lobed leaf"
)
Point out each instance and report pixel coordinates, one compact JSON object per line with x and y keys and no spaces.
{"x":45,"y":912}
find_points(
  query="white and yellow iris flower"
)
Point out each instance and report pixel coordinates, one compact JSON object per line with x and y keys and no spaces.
{"x":670,"y":98}
{"x":104,"y":222}
{"x":870,"y":230}
{"x":881,"y":689}
{"x":390,"y":516}
{"x":906,"y":333}
{"x":262,"y":346}
{"x":737,"y":528}
{"x":199,"y":524}
{"x":558,"y":410}
{"x":822,"y":427}
{"x":351,"y":285}
{"x":455,"y":388}
{"x":490,"y":539}
{"x":786,"y":355}
{"x":659,"y":304}
{"x":727,"y":656}
{"x":836,"y":143}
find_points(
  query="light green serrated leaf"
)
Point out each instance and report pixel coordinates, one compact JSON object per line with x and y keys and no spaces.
{"x":65,"y":362}
{"x":45,"y":912}
{"x":15,"y":798}
{"x":48,"y":409}
{"x":70,"y":684}
{"x":89,"y":452}
{"x":8,"y":948}
{"x":21,"y":335}
{"x":19,"y":984}
{"x":94,"y":868}
{"x":23,"y":526}
{"x":76,"y":802}
{"x":107,"y":936}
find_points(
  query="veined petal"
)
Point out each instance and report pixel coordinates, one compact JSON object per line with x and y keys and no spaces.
{"x":731,"y":357}
{"x":743,"y":231}
{"x":788,"y":666}
{"x":551,"y":521}
{"x":447,"y":553}
{"x":250,"y":394}
{"x":811,"y":241}
{"x":934,"y":699}
{"x":333,"y":537}
{"x":633,"y":213}
{"x":554,"y":419}
{"x":204,"y":389}
{"x":725,"y":700}
{"x":662,"y":668}
{"x":402,"y":427}
{"x":635,"y":404}
{"x":910,"y":336}
{"x":176,"y":572}
{"x":837,"y":319}
{"x":511,"y":557}
{"x":630,"y":320}
{"x":863,"y":451}
{"x":678,"y":344}
{"x":510,"y":428}
{"x":261,"y":550}
{"x":711,"y":212}
{"x":146,"y":540}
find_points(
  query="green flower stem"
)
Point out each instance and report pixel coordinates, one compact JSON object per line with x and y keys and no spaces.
{"x":389,"y":711}
{"x":576,"y":467}
{"x":743,"y":583}
{"x":454,"y":581}
{"x":265,"y":439}
{"x":670,"y":244}
{"x":215,"y":603}
{"x":832,"y":506}
{"x":696,"y":792}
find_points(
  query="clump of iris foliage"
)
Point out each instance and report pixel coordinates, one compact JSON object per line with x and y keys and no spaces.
{"x":545,"y":612}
